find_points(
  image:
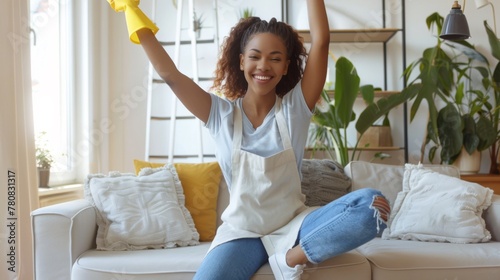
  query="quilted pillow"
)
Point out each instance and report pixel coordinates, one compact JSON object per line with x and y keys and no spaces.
{"x":200,"y":182}
{"x":140,"y":212}
{"x":437,"y":207}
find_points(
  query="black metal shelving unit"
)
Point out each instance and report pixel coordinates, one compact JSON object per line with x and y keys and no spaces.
{"x":374,"y":35}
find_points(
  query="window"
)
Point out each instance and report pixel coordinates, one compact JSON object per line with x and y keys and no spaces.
{"x":51,"y":74}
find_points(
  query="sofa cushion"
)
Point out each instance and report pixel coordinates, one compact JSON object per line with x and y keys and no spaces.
{"x":437,"y":207}
{"x":138,"y":212}
{"x":386,"y":178}
{"x":200,"y":182}
{"x":413,"y":260}
{"x":182,"y":262}
{"x":492,"y":217}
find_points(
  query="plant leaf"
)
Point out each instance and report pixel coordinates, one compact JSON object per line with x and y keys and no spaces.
{"x":346,"y":90}
{"x":435,"y":19}
{"x":494,"y":42}
{"x":432,"y":153}
{"x":450,"y":133}
{"x":496,"y":76}
{"x":470,"y":138}
{"x":377,"y":110}
{"x":368,"y":93}
{"x":467,"y":49}
{"x":431,"y":134}
{"x":486,"y":132}
{"x":459,"y":94}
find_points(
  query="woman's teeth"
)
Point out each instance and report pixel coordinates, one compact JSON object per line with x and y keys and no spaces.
{"x":263,"y":78}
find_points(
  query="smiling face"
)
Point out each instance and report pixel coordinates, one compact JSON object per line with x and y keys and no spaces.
{"x":264,"y":62}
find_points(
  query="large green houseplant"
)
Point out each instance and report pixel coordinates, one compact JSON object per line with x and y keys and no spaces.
{"x":331,"y":121}
{"x":492,"y":84}
{"x":446,"y":73}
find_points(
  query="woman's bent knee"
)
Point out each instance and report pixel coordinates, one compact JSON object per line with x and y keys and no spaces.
{"x":376,"y":201}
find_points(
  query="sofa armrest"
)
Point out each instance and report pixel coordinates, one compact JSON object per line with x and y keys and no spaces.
{"x":492,"y":217}
{"x":61,"y":233}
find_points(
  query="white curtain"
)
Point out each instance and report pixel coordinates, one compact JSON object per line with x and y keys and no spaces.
{"x":18,"y":181}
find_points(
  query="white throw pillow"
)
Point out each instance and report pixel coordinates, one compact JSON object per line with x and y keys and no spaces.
{"x":386,"y":177}
{"x":437,"y":207}
{"x":140,"y":212}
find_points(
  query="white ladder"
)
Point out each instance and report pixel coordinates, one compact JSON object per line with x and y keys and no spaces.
{"x":152,"y":82}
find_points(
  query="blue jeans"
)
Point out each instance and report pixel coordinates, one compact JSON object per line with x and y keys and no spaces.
{"x":338,"y":227}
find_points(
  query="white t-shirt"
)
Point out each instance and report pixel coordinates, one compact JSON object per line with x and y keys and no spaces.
{"x":265,"y":140}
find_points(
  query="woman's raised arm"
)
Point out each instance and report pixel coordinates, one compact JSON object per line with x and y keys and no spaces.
{"x":196,"y":100}
{"x":317,"y":62}
{"x":142,"y":31}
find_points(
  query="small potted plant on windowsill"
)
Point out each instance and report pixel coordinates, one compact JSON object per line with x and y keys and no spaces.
{"x":44,"y":161}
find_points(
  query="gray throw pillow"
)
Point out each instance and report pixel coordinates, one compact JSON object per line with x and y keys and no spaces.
{"x":323,"y":181}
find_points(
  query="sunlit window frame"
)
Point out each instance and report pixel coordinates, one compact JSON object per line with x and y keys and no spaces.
{"x":68,"y":28}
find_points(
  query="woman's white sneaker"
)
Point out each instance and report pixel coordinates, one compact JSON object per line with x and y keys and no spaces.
{"x":281,"y":270}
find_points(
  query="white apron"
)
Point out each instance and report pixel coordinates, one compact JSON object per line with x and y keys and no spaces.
{"x":266,"y":200}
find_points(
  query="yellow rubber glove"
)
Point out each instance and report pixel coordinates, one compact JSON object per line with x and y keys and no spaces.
{"x":135,"y":18}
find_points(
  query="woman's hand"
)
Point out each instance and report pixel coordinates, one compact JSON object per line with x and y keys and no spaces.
{"x":135,"y":18}
{"x":121,"y":5}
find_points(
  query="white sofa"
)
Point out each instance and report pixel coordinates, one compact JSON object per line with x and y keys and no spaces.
{"x":64,"y":246}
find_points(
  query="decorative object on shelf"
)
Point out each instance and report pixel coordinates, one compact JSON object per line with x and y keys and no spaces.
{"x":246,"y":13}
{"x":462,"y":122}
{"x":197,"y":23}
{"x":376,"y":136}
{"x":332,"y":117}
{"x":455,"y":26}
{"x":44,"y":160}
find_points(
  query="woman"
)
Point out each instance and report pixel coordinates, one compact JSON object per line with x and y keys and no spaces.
{"x":260,"y":130}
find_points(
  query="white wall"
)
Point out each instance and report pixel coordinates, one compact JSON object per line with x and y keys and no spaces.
{"x":128,"y":73}
{"x":129,"y":65}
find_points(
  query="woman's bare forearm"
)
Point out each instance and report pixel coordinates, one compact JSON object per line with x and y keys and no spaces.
{"x":196,"y":100}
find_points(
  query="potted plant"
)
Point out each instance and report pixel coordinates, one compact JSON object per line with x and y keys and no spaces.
{"x":44,"y":160}
{"x":332,"y":117}
{"x":197,"y":23}
{"x":246,"y":13}
{"x":492,"y":83}
{"x":460,"y":125}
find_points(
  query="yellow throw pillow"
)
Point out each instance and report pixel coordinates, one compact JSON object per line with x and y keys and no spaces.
{"x":140,"y":164}
{"x":200,"y":182}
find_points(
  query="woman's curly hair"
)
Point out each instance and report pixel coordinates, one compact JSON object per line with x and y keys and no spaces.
{"x":230,"y":80}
